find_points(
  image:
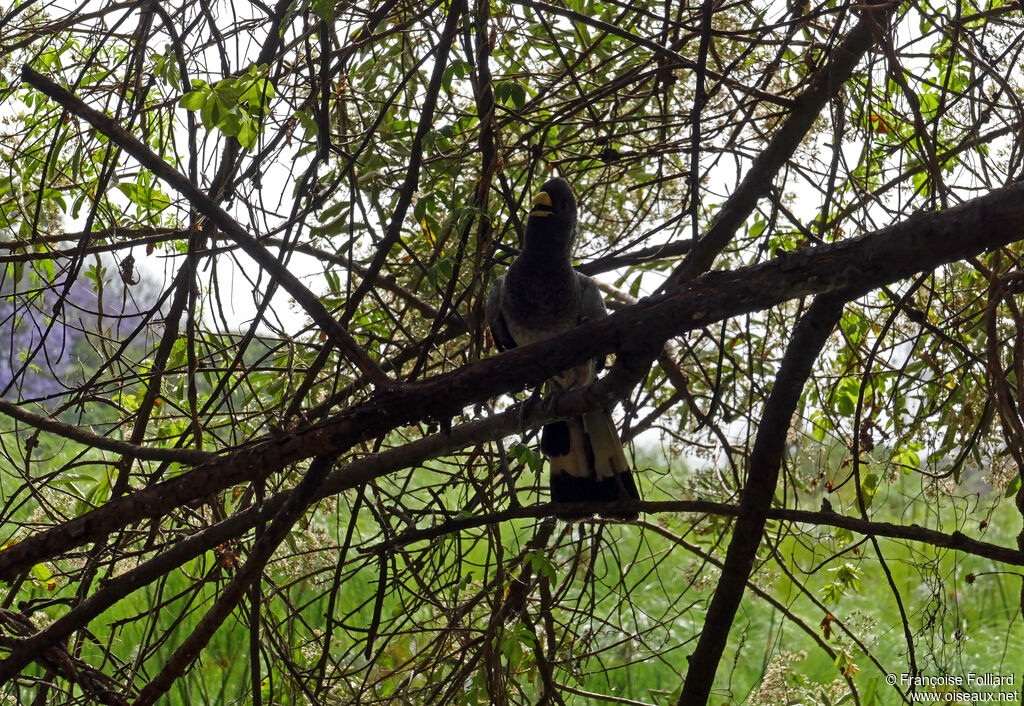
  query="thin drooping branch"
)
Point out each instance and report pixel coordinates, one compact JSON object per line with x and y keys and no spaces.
{"x":809,"y":337}
{"x":854,"y":266}
{"x":782,"y":607}
{"x":84,"y":436}
{"x":213,"y":211}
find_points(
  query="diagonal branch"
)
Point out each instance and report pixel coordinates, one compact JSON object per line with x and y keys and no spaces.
{"x":854,"y":267}
{"x":209,"y":208}
{"x":414,"y":454}
{"x":56,"y":659}
{"x":826,"y":84}
{"x":229,"y":597}
{"x":412,"y":175}
{"x":84,"y":436}
{"x":647,"y":43}
{"x":809,"y":338}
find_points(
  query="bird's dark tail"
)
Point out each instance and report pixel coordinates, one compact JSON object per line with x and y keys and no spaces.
{"x":587,"y":462}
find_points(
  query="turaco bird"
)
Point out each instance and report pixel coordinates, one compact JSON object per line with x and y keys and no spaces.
{"x":540,"y":296}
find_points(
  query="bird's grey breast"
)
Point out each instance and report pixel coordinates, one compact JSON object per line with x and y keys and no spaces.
{"x":539,"y":302}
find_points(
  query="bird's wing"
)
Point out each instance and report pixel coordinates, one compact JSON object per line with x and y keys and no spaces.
{"x":496,"y":320}
{"x":591,"y":307}
{"x":591,"y":301}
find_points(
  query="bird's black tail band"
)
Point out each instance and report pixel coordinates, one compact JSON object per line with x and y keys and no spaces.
{"x":588,"y":463}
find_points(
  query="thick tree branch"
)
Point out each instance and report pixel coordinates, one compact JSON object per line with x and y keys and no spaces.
{"x":855,"y":266}
{"x":414,"y":454}
{"x":373,"y":466}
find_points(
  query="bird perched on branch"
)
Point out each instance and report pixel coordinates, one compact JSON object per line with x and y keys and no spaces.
{"x":540,"y":296}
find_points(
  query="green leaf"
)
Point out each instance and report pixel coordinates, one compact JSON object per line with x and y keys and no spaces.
{"x":510,"y":92}
{"x":177,"y":356}
{"x":921,"y":182}
{"x":424,"y":205}
{"x":1013,"y":487}
{"x":821,"y":425}
{"x":96,"y":275}
{"x":518,"y":95}
{"x":634,"y":287}
{"x":44,"y":577}
{"x":868,"y":489}
{"x":832,"y":592}
{"x":308,"y":123}
{"x":230,"y":124}
{"x":145,"y":196}
{"x":846,"y":394}
{"x":849,"y":575}
{"x":543,"y":566}
{"x":457,"y":69}
{"x":324,"y":9}
{"x":193,"y":100}
{"x":929,"y":103}
{"x":16,"y":271}
{"x":441,"y":271}
{"x":247,"y":135}
{"x":46,"y":268}
{"x":512,"y":649}
{"x":525,"y":455}
{"x":907,"y":456}
{"x":229,"y":90}
{"x":206,"y":114}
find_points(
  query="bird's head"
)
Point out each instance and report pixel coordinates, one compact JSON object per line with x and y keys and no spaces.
{"x":552,"y":220}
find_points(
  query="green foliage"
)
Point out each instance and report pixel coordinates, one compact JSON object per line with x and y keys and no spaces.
{"x":151,"y":201}
{"x":236,"y":105}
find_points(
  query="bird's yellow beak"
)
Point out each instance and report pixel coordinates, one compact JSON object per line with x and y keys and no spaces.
{"x":541,"y":204}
